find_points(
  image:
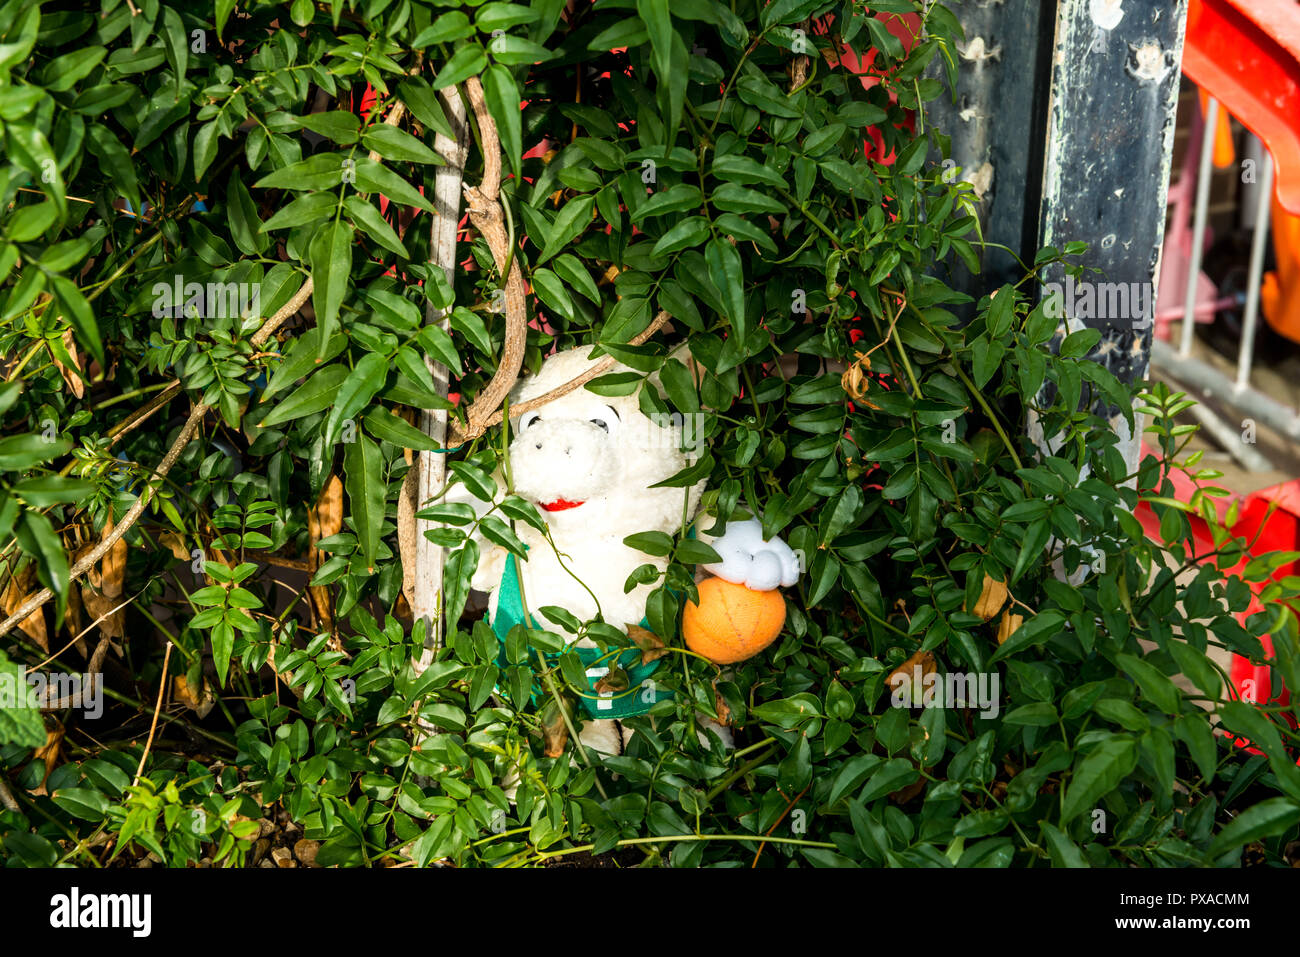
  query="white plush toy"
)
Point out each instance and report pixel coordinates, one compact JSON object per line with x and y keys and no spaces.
{"x":588,"y":462}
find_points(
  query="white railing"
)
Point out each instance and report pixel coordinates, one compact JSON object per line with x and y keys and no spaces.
{"x":1200,"y":376}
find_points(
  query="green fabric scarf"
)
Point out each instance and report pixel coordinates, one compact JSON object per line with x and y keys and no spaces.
{"x":634,"y":701}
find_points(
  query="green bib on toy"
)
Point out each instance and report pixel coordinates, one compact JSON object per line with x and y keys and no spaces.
{"x":637,"y":699}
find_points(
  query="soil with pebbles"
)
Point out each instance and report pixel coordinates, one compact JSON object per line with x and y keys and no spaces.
{"x":279,"y":843}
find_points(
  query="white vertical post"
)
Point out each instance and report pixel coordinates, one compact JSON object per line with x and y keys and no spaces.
{"x":1258,"y":244}
{"x":1203,"y":173}
{"x":431,"y":467}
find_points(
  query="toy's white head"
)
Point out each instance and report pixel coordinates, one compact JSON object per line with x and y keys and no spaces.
{"x":588,"y":460}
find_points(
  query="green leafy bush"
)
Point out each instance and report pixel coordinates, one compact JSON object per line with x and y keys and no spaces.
{"x":711,"y":166}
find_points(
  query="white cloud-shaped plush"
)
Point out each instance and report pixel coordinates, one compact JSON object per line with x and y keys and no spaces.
{"x":750,"y":561}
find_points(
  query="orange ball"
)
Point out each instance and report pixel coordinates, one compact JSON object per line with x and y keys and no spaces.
{"x":731,"y":622}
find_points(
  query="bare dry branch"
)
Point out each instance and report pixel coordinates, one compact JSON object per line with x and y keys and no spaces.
{"x":599,"y":369}
{"x":133,"y":513}
{"x":486,"y":214}
{"x":187,"y":433}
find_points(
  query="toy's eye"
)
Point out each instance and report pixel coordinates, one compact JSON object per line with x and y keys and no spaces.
{"x":600,"y":423}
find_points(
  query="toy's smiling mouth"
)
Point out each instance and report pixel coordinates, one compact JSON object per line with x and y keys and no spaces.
{"x":559,"y":505}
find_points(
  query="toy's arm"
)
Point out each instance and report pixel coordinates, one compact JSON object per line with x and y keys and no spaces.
{"x":749,"y":560}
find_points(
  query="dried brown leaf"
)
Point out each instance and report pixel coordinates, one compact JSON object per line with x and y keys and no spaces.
{"x":113,"y":564}
{"x":35,"y":629}
{"x":907,"y":672}
{"x":993,"y":595}
{"x":176,"y":545}
{"x":613,"y":681}
{"x":201,"y":704}
{"x":49,"y":752}
{"x":15,"y":594}
{"x":402,"y":608}
{"x":651,"y":645}
{"x":905,"y":794}
{"x":74,"y":619}
{"x":555,"y":733}
{"x":324,"y":520}
{"x":855,"y":380}
{"x":720,"y":705}
{"x":1009,"y":625}
{"x":76,"y":385}
{"x":104,"y":611}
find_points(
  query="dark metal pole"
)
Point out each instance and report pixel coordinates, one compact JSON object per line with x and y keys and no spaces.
{"x":1064,"y":119}
{"x":998,"y":126}
{"x":1110,"y":136}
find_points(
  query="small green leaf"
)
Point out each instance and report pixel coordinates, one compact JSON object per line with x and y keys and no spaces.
{"x":241,"y":212}
{"x":205,"y":149}
{"x":372,"y":222}
{"x":74,"y":306}
{"x":361,"y":385}
{"x":340,"y":126}
{"x":502,"y":95}
{"x":1156,"y":687}
{"x":451,"y":26}
{"x":572,"y":220}
{"x":383,"y":424}
{"x":1064,"y":852}
{"x":468,"y":60}
{"x":85,"y":803}
{"x":52,"y":489}
{"x":20,"y":716}
{"x":308,"y":208}
{"x":372,"y":177}
{"x":685,"y":234}
{"x":394,"y":144}
{"x":728,"y":277}
{"x":223,"y":646}
{"x":37,"y":538}
{"x":363,"y":466}
{"x":1265,"y":819}
{"x":1097,"y":773}
{"x":652,"y":543}
{"x":302,"y":357}
{"x":29,"y":222}
{"x":315,"y":394}
{"x":19,"y":452}
{"x":422,"y":101}
{"x":331,"y":267}
{"x":575,"y":274}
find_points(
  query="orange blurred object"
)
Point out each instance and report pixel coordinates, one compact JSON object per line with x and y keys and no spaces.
{"x":1247,"y":54}
{"x":1225,"y":152}
{"x":1279,"y":297}
{"x":731,"y":622}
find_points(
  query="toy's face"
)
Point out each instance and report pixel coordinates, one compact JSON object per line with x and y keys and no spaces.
{"x":589,"y":461}
{"x":568,"y":453}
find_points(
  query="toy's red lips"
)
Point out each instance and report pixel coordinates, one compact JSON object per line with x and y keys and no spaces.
{"x":559,"y":505}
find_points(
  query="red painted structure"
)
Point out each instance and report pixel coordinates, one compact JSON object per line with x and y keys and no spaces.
{"x":1246,"y":54}
{"x":1279,"y":531}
